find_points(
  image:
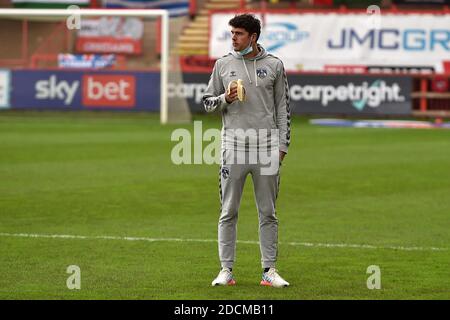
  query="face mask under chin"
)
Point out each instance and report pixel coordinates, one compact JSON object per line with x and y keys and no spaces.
{"x":246,"y":50}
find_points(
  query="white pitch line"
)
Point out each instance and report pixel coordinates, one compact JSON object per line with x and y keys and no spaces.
{"x":302,"y":244}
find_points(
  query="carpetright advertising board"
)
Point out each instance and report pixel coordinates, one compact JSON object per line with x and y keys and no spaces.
{"x":351,"y":94}
{"x":316,"y":94}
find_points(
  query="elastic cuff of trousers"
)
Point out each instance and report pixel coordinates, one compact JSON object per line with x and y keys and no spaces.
{"x":227,"y":264}
{"x":268,"y":264}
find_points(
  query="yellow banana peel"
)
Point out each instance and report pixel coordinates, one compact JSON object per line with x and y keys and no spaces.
{"x":240,"y":89}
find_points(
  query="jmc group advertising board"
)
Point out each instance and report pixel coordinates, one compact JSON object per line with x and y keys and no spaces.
{"x":314,"y":41}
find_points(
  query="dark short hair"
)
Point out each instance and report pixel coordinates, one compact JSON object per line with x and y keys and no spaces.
{"x":248,"y":22}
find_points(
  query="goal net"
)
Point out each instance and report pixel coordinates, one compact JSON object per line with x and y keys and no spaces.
{"x":89,"y":59}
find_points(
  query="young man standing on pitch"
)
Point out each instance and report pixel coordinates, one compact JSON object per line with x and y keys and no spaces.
{"x":250,"y":88}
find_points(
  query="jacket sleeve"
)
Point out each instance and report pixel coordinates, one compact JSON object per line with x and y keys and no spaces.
{"x":214,"y":96}
{"x":283,"y":111}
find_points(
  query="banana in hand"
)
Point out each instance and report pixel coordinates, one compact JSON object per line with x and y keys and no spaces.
{"x":240,"y":89}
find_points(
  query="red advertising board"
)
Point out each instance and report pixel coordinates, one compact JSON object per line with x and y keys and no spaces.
{"x":440,"y":84}
{"x":110,"y":35}
{"x":446,"y":67}
{"x":345,"y":68}
{"x":108,"y":45}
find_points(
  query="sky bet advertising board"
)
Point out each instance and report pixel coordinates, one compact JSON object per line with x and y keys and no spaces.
{"x":311,"y":41}
{"x":85,"y":90}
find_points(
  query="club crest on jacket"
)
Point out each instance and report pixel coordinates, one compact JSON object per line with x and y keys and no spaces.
{"x":262,"y":73}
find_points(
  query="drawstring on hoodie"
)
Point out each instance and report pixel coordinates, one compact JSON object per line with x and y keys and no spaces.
{"x":254,"y":68}
{"x":248,"y":74}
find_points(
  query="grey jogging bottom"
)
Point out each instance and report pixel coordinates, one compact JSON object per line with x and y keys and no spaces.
{"x":232,"y":178}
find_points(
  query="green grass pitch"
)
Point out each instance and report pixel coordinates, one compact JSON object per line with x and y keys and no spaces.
{"x":110,"y":174}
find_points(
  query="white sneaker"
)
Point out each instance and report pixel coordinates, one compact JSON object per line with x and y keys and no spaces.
{"x":225,"y":278}
{"x":271,"y":278}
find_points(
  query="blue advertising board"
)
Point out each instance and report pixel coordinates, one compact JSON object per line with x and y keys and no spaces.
{"x":61,"y":89}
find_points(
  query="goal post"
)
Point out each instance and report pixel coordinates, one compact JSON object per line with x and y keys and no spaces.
{"x":61,"y":14}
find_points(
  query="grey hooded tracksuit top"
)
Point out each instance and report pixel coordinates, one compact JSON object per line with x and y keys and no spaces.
{"x":266,"y":107}
{"x":267,"y":101}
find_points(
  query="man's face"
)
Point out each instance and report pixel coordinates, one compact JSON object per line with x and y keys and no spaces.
{"x":240,"y":38}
